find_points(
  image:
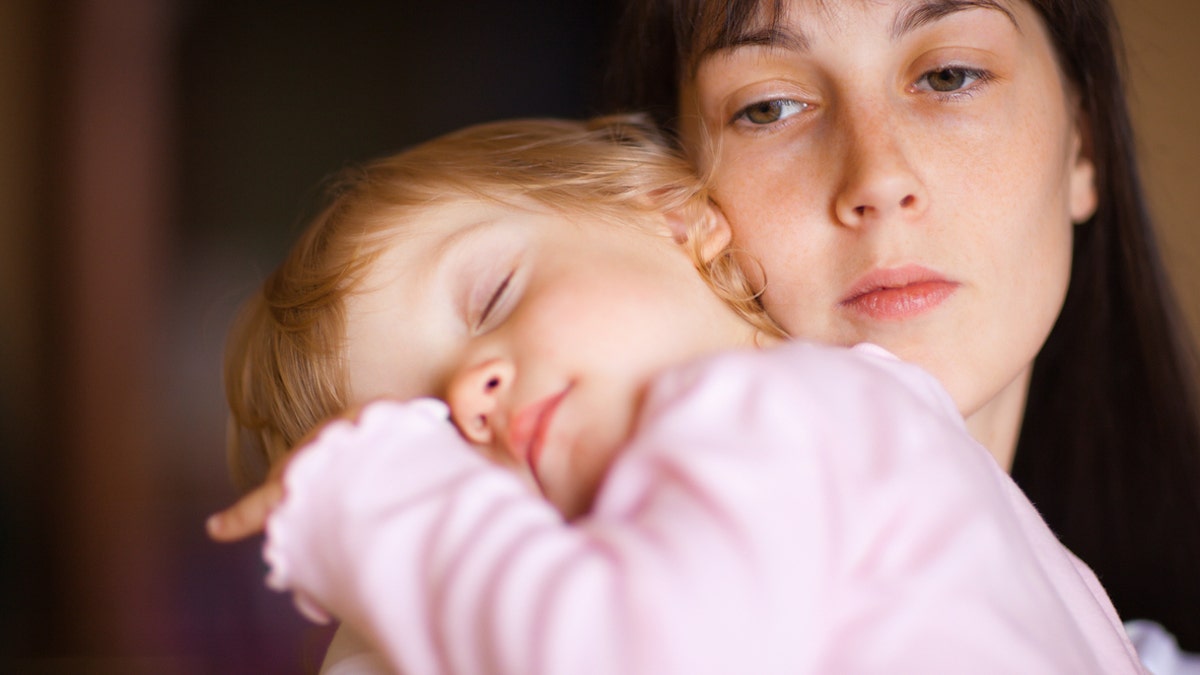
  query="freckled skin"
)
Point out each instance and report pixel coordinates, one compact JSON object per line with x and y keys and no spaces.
{"x":953,"y":147}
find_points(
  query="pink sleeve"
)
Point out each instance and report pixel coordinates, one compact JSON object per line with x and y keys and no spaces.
{"x":800,"y":510}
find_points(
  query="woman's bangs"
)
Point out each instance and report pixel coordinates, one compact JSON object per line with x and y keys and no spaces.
{"x":723,"y":23}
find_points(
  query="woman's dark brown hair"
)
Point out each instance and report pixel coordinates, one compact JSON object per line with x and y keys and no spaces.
{"x":1109,"y":449}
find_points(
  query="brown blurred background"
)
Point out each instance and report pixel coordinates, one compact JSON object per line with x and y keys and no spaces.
{"x":154,"y":157}
{"x":1163,"y":50}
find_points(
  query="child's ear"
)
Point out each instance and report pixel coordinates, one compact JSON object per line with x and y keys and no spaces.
{"x":709,"y":225}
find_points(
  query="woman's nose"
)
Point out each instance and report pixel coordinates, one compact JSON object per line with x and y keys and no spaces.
{"x":475,"y":396}
{"x":879,"y":182}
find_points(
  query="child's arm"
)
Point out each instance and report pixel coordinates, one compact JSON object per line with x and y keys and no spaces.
{"x":248,"y":515}
{"x":804,"y":512}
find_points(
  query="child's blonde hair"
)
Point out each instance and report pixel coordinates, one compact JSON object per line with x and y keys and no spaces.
{"x":284,"y":371}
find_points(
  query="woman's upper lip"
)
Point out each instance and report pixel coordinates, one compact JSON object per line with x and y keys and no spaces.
{"x":527,"y":428}
{"x":894,"y":277}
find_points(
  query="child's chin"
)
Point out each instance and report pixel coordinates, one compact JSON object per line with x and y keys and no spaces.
{"x":572,"y":508}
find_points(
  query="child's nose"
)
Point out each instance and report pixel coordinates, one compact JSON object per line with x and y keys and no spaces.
{"x":474,"y":398}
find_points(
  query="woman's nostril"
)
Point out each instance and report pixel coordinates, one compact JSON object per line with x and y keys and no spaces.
{"x":492,"y":383}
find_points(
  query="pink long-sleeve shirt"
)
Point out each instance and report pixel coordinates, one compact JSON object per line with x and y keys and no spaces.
{"x":802,"y":509}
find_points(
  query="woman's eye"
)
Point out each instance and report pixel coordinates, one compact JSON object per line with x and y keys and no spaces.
{"x":950,"y":80}
{"x":763,"y":113}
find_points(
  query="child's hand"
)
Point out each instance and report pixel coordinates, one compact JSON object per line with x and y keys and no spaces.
{"x":248,"y":516}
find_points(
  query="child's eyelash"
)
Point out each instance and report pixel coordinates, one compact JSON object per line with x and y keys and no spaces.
{"x":495,"y":299}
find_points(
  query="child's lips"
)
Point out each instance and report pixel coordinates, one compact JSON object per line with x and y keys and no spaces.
{"x":527,"y":431}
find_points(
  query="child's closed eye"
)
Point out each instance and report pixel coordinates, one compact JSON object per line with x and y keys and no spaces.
{"x":490,"y":310}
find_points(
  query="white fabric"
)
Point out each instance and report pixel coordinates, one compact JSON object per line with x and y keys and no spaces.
{"x":1159,"y":651}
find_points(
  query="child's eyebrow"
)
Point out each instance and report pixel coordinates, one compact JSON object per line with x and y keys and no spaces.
{"x":463,"y":236}
{"x":460,"y":256}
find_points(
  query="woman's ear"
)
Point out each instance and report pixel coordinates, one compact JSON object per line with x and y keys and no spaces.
{"x":1082,"y":179}
{"x":707,"y":224}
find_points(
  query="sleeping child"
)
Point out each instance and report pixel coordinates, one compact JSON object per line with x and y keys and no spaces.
{"x":526,"y":415}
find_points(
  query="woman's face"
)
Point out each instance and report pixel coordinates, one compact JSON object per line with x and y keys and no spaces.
{"x":903,"y":173}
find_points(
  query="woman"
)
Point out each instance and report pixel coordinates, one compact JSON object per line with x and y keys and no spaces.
{"x":956,"y":181}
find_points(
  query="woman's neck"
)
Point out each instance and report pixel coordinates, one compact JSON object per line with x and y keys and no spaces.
{"x":997,"y":425}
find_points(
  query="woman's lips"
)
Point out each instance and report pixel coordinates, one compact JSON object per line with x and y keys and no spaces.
{"x":527,"y":432}
{"x":899,"y":293}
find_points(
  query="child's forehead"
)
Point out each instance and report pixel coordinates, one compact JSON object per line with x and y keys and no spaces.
{"x":441,"y":224}
{"x":423,"y":236}
{"x":455,"y":222}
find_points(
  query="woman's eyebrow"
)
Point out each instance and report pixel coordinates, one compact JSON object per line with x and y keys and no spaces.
{"x":907,"y":20}
{"x":777,"y":37}
{"x":915,"y":16}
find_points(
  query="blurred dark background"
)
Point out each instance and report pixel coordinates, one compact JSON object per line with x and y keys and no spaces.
{"x":155,"y":156}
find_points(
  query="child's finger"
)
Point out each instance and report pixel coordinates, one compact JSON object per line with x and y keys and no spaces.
{"x":248,"y":516}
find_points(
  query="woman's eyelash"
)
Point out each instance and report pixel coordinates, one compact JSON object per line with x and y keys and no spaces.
{"x":772,"y":112}
{"x":970,"y":78}
{"x":777,"y":109}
